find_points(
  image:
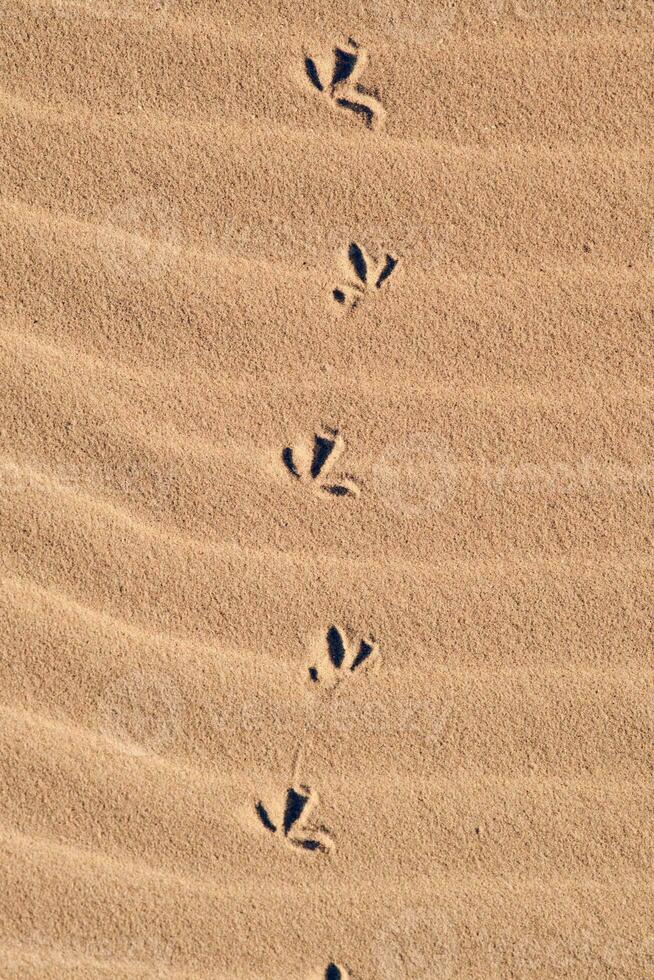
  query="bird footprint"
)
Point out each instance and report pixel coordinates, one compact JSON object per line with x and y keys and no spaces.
{"x":365,"y":274}
{"x":342,"y":657}
{"x":312,"y":462}
{"x":337,"y":75}
{"x":293,"y":824}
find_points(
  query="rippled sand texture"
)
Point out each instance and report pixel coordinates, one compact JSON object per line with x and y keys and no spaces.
{"x":326,"y":490}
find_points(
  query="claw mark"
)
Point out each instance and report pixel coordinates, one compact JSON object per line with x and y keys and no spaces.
{"x":342,"y":656}
{"x":337,"y":77}
{"x":364,"y":275}
{"x":312,"y":463}
{"x":299,"y":803}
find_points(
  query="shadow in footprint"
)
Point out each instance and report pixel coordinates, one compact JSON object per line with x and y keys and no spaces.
{"x":289,"y":463}
{"x":324,"y":446}
{"x":386,"y":271}
{"x":358,"y":261}
{"x":265,"y":819}
{"x":365,"y":111}
{"x":334,"y":972}
{"x":295,"y":804}
{"x":335,"y":646}
{"x":312,"y":72}
{"x":344,"y":64}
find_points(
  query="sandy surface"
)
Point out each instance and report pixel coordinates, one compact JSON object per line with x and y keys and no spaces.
{"x":326,"y":490}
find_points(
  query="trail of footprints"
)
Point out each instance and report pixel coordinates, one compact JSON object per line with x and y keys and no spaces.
{"x":291,"y":817}
{"x":311,"y":462}
{"x":335,"y":76}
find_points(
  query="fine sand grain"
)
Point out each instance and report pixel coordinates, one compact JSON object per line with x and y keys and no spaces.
{"x":326,"y":486}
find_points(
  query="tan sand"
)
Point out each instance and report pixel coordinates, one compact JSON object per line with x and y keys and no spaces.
{"x":326,"y":488}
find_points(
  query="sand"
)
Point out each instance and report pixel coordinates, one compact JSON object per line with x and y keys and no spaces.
{"x":326,"y":489}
